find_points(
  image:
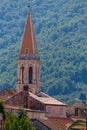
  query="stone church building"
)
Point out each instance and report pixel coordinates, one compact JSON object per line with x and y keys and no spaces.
{"x":28,"y":93}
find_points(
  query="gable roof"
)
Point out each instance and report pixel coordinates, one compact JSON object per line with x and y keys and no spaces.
{"x":45,"y":99}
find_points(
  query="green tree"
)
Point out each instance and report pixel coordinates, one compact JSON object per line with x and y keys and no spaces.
{"x":2,"y":109}
{"x":22,"y":113}
{"x":13,"y":122}
{"x":77,"y":124}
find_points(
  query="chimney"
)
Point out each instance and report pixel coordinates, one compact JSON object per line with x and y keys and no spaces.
{"x":26,"y":96}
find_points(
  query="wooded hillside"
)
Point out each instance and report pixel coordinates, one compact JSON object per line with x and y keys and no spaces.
{"x":61,"y":31}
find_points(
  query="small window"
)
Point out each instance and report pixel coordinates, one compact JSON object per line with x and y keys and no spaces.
{"x":61,"y":111}
{"x":49,"y":110}
{"x":27,"y":51}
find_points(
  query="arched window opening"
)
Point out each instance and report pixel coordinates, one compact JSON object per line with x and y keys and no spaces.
{"x":30,"y":75}
{"x":22,"y":70}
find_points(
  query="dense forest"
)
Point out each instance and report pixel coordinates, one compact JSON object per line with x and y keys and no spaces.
{"x":61,"y":32}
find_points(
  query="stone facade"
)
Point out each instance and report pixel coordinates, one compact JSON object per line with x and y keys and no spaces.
{"x":55,"y":111}
{"x":25,"y":77}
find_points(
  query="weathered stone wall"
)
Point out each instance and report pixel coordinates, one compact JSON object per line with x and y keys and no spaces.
{"x":17,"y":100}
{"x":56,"y":111}
{"x":23,"y":76}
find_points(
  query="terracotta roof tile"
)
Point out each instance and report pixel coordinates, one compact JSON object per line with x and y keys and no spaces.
{"x":57,"y":124}
{"x":29,"y":45}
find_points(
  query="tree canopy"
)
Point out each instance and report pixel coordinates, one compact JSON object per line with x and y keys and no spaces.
{"x":13,"y":122}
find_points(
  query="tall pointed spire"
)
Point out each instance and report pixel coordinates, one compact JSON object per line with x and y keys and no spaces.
{"x":29,"y":45}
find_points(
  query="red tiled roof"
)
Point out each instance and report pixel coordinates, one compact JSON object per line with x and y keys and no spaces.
{"x":57,"y":124}
{"x":29,"y":40}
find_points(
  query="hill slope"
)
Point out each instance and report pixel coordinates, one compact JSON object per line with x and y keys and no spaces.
{"x":61,"y":31}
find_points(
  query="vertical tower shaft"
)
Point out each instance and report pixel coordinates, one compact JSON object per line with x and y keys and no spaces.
{"x":29,"y":61}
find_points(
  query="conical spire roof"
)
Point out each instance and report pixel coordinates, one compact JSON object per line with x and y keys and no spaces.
{"x":29,"y":45}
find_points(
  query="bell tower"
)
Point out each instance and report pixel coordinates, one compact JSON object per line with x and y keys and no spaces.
{"x":28,"y":61}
